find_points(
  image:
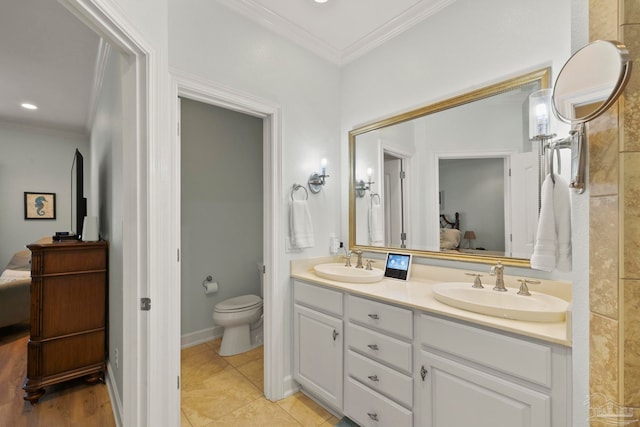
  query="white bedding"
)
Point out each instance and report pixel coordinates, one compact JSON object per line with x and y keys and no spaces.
{"x":9,"y":276}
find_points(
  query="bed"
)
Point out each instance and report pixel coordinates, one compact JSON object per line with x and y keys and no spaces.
{"x":15,"y":284}
{"x":450,"y":237}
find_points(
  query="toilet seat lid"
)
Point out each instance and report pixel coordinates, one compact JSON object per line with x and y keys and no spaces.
{"x":239,"y":303}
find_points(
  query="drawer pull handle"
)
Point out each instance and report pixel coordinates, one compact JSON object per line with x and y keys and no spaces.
{"x":335,"y":334}
{"x":373,"y":416}
{"x":423,"y":372}
{"x":373,"y":346}
{"x":374,"y":316}
{"x":373,"y":378}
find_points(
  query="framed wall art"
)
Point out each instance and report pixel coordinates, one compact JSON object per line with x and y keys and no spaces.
{"x":39,"y":205}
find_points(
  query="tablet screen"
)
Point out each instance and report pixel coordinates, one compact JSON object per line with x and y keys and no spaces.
{"x":398,"y":266}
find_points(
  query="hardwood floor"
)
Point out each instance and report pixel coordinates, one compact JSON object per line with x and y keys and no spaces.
{"x":74,"y":403}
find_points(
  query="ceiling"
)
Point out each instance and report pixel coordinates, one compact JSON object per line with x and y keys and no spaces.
{"x":51,"y":59}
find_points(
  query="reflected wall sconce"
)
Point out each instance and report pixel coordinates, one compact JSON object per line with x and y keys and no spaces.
{"x":317,"y":180}
{"x":362,"y":186}
{"x":469,"y":236}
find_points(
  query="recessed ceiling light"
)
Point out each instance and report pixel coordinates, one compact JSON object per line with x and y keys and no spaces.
{"x":320,"y":1}
{"x":28,"y":106}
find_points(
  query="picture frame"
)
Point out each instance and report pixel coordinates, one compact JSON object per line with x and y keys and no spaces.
{"x":39,"y":206}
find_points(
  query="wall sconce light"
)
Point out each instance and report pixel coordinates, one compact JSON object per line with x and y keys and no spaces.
{"x":362,"y":186}
{"x":469,"y":236}
{"x":540,"y":114}
{"x":317,"y":180}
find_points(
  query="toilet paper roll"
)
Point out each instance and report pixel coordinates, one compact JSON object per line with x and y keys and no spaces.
{"x":210,"y":287}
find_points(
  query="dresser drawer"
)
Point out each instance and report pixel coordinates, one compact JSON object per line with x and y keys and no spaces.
{"x":387,"y":381}
{"x":384,"y":317}
{"x":371,"y":409}
{"x":381,"y":347}
{"x":318,"y":297}
{"x":520,"y":358}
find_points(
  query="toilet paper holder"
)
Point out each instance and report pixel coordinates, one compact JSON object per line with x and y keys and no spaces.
{"x":207,"y":279}
{"x":210,"y":287}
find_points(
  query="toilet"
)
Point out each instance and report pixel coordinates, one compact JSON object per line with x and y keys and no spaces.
{"x":241,"y":318}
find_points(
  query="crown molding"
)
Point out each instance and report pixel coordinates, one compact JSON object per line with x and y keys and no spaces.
{"x":396,"y":26}
{"x":300,"y":36}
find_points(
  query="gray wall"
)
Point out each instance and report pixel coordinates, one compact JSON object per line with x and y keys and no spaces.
{"x":106,"y":201}
{"x":475,"y":188}
{"x":35,"y":159}
{"x":222,"y":215}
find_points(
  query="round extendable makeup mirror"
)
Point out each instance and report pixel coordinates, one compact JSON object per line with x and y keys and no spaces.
{"x":590,"y":81}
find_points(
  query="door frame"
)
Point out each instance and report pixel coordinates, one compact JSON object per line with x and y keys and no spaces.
{"x":505,"y":156}
{"x":140,"y":95}
{"x":198,"y":89}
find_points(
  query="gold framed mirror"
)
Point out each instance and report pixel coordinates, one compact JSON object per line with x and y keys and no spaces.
{"x":397,"y":166}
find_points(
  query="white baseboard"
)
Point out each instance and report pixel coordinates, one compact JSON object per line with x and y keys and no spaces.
{"x":198,"y":337}
{"x":290,"y":386}
{"x":116,"y":402}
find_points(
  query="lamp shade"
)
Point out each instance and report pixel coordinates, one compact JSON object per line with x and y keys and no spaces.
{"x":470,"y":235}
{"x":540,"y":114}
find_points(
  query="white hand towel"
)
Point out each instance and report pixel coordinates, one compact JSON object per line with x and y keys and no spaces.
{"x":553,"y":237}
{"x":301,"y":225}
{"x":562,"y":211}
{"x":376,"y":225}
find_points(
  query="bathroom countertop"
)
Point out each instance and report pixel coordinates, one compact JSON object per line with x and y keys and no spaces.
{"x":417,"y":294}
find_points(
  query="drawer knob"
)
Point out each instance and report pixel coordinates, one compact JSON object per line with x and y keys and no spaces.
{"x":374,"y":316}
{"x":335,"y":334}
{"x":373,"y":378}
{"x":373,"y":346}
{"x":373,"y":416}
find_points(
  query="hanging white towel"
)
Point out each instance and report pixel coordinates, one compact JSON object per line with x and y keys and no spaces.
{"x":376,"y":224}
{"x":301,"y":225}
{"x":552,"y":249}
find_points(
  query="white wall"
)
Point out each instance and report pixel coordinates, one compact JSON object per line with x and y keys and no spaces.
{"x":106,"y":199}
{"x":222,"y":209}
{"x":212,"y":42}
{"x":35,"y":160}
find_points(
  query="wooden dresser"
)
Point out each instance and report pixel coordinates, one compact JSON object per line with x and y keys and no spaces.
{"x":68,"y":314}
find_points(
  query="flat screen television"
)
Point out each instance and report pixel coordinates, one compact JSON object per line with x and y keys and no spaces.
{"x":78,"y":201}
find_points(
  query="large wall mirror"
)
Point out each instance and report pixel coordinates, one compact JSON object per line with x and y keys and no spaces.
{"x":458,"y":179}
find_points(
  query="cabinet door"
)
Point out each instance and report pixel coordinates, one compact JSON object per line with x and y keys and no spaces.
{"x":318,"y":364}
{"x":454,"y":394}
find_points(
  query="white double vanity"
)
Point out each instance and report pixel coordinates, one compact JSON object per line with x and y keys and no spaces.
{"x":389,"y":354}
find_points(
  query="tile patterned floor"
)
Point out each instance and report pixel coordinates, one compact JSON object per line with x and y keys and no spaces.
{"x":228,"y":391}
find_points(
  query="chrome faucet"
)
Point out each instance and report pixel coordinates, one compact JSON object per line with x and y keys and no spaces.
{"x":369,"y":261}
{"x":347,"y":256}
{"x":498,"y":270}
{"x":524,"y":289}
{"x":359,"y":261}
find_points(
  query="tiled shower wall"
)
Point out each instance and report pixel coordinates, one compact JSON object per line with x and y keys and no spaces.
{"x":614,"y":236}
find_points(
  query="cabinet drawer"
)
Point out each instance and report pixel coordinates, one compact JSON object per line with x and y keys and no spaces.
{"x":387,"y":381}
{"x":66,"y":354}
{"x":384,"y":317}
{"x":318,"y":297}
{"x":370,"y":409}
{"x":520,"y":358}
{"x":381,"y":347}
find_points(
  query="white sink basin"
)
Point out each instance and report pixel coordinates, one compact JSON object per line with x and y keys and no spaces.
{"x":508,"y":305}
{"x":338,"y":272}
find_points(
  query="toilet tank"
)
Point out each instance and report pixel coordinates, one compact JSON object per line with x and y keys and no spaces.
{"x":261,"y":274}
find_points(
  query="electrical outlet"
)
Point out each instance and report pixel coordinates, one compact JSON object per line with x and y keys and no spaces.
{"x":115,"y":357}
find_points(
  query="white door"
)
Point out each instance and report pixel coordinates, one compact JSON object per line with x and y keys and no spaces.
{"x":317,"y":352}
{"x":394,"y":212}
{"x":453,"y":394}
{"x":524,"y":203}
